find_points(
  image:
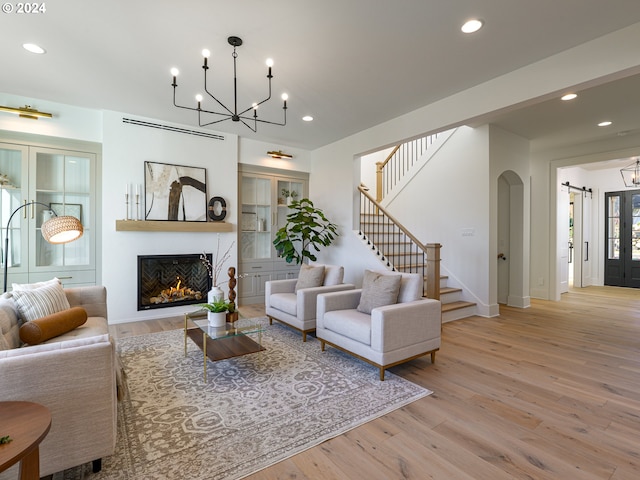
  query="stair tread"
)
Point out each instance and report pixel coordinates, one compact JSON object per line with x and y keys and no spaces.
{"x":449,"y":290}
{"x":447,"y":307}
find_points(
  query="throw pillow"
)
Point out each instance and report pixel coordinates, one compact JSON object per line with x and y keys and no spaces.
{"x":33,"y":286}
{"x":378,"y":289}
{"x":40,"y":302}
{"x":42,"y":329}
{"x":310,"y":277}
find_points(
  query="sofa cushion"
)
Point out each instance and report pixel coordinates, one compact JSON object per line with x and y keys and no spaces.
{"x":310,"y":276}
{"x":285,"y":302}
{"x":333,"y":275}
{"x":378,"y":289}
{"x":410,"y":287}
{"x":40,"y":302}
{"x":42,"y":329}
{"x":349,"y":323}
{"x":9,"y":324}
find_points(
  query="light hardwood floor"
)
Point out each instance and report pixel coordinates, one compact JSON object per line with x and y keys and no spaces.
{"x":548,"y":392}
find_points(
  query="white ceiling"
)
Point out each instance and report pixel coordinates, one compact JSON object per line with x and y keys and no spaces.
{"x":351,"y":64}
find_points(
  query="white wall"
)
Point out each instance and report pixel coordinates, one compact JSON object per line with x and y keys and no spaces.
{"x":509,"y":154}
{"x":67,"y":122}
{"x":125,"y":149}
{"x":254,"y":152}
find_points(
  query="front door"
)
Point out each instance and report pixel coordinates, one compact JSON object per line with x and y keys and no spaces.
{"x":622,"y":239}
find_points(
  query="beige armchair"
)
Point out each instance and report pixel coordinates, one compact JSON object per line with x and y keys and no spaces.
{"x":395,"y":331}
{"x":293,"y":301}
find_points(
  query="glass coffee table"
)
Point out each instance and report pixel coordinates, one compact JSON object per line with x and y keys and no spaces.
{"x":220,"y":343}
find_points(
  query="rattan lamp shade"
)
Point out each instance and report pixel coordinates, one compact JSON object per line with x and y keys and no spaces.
{"x":62,"y":229}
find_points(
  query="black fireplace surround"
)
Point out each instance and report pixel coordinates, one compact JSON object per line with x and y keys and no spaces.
{"x":172,"y":280}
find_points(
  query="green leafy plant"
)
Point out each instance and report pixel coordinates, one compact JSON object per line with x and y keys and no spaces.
{"x":306,"y":231}
{"x":219,"y":306}
{"x":5,"y":439}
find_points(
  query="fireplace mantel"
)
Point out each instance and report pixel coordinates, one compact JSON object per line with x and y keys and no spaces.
{"x":168,"y":226}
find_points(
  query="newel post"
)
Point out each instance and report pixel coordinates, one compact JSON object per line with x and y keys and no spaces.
{"x":433,"y":270}
{"x":379,"y":167}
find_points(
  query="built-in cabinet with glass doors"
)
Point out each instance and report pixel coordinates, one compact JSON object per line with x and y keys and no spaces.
{"x":50,"y":181}
{"x":264,"y":198}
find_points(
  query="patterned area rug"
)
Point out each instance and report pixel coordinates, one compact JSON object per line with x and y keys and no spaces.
{"x":253,"y":411}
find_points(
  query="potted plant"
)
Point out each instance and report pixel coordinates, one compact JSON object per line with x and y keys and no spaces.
{"x":288,"y":195}
{"x":285,"y":196}
{"x":307,"y":228}
{"x":217,"y":312}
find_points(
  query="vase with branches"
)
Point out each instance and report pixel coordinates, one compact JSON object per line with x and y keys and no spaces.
{"x":214,"y":267}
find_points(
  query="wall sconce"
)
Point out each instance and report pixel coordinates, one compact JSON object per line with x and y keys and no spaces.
{"x":26,"y":112}
{"x":279,"y":154}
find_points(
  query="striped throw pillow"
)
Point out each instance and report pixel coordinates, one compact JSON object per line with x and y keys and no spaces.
{"x":40,"y":302}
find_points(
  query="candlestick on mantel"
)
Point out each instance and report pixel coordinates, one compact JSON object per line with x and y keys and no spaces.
{"x":126,"y":201}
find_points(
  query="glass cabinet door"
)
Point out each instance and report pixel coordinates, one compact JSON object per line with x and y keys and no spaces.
{"x":255,"y":220}
{"x":61,"y":184}
{"x":13,"y":176}
{"x":288,"y":192}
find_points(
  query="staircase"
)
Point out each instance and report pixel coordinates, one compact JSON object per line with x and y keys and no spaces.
{"x":394,"y":245}
{"x":395,"y":249}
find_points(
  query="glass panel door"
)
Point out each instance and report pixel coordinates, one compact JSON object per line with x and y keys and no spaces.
{"x":62,"y":187}
{"x":255,"y":221}
{"x":13,"y":176}
{"x":622,"y":234}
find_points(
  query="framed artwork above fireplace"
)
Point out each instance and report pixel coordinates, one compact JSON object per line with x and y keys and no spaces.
{"x":175,"y":192}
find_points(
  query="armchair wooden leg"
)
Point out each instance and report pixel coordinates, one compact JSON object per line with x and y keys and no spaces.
{"x":433,"y":357}
{"x":321,"y":346}
{"x":270,"y":321}
{"x":97,"y":465}
{"x":304,"y":336}
{"x":382,"y":374}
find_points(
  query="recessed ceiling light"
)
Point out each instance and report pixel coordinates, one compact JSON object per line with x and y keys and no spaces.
{"x":307,"y":118}
{"x":568,"y":96}
{"x":604,"y":124}
{"x":33,"y":48}
{"x":471,"y":26}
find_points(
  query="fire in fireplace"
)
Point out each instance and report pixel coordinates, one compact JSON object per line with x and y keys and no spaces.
{"x":172,"y":280}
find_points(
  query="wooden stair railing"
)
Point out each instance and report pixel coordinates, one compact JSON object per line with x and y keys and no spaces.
{"x":398,"y":162}
{"x":397,"y":246}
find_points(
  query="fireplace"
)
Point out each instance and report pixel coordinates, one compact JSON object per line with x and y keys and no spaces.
{"x":172,"y":280}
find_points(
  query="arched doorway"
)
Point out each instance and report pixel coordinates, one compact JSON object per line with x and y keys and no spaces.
{"x":510,"y":236}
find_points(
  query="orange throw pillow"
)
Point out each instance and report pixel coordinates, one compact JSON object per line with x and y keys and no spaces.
{"x":45,"y":328}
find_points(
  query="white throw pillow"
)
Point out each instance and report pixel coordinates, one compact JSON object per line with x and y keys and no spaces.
{"x":33,"y":286}
{"x":40,"y":302}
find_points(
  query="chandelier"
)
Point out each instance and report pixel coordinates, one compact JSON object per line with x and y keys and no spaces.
{"x":248,"y":119}
{"x":631,"y":174}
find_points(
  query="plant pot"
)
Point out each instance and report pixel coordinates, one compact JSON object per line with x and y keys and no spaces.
{"x":289,"y":200}
{"x":215,"y":294}
{"x":217,"y":319}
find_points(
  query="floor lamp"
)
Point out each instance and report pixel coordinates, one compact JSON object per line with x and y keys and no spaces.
{"x":56,"y":230}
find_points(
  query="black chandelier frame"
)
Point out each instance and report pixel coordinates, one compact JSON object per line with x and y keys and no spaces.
{"x":232,"y":115}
